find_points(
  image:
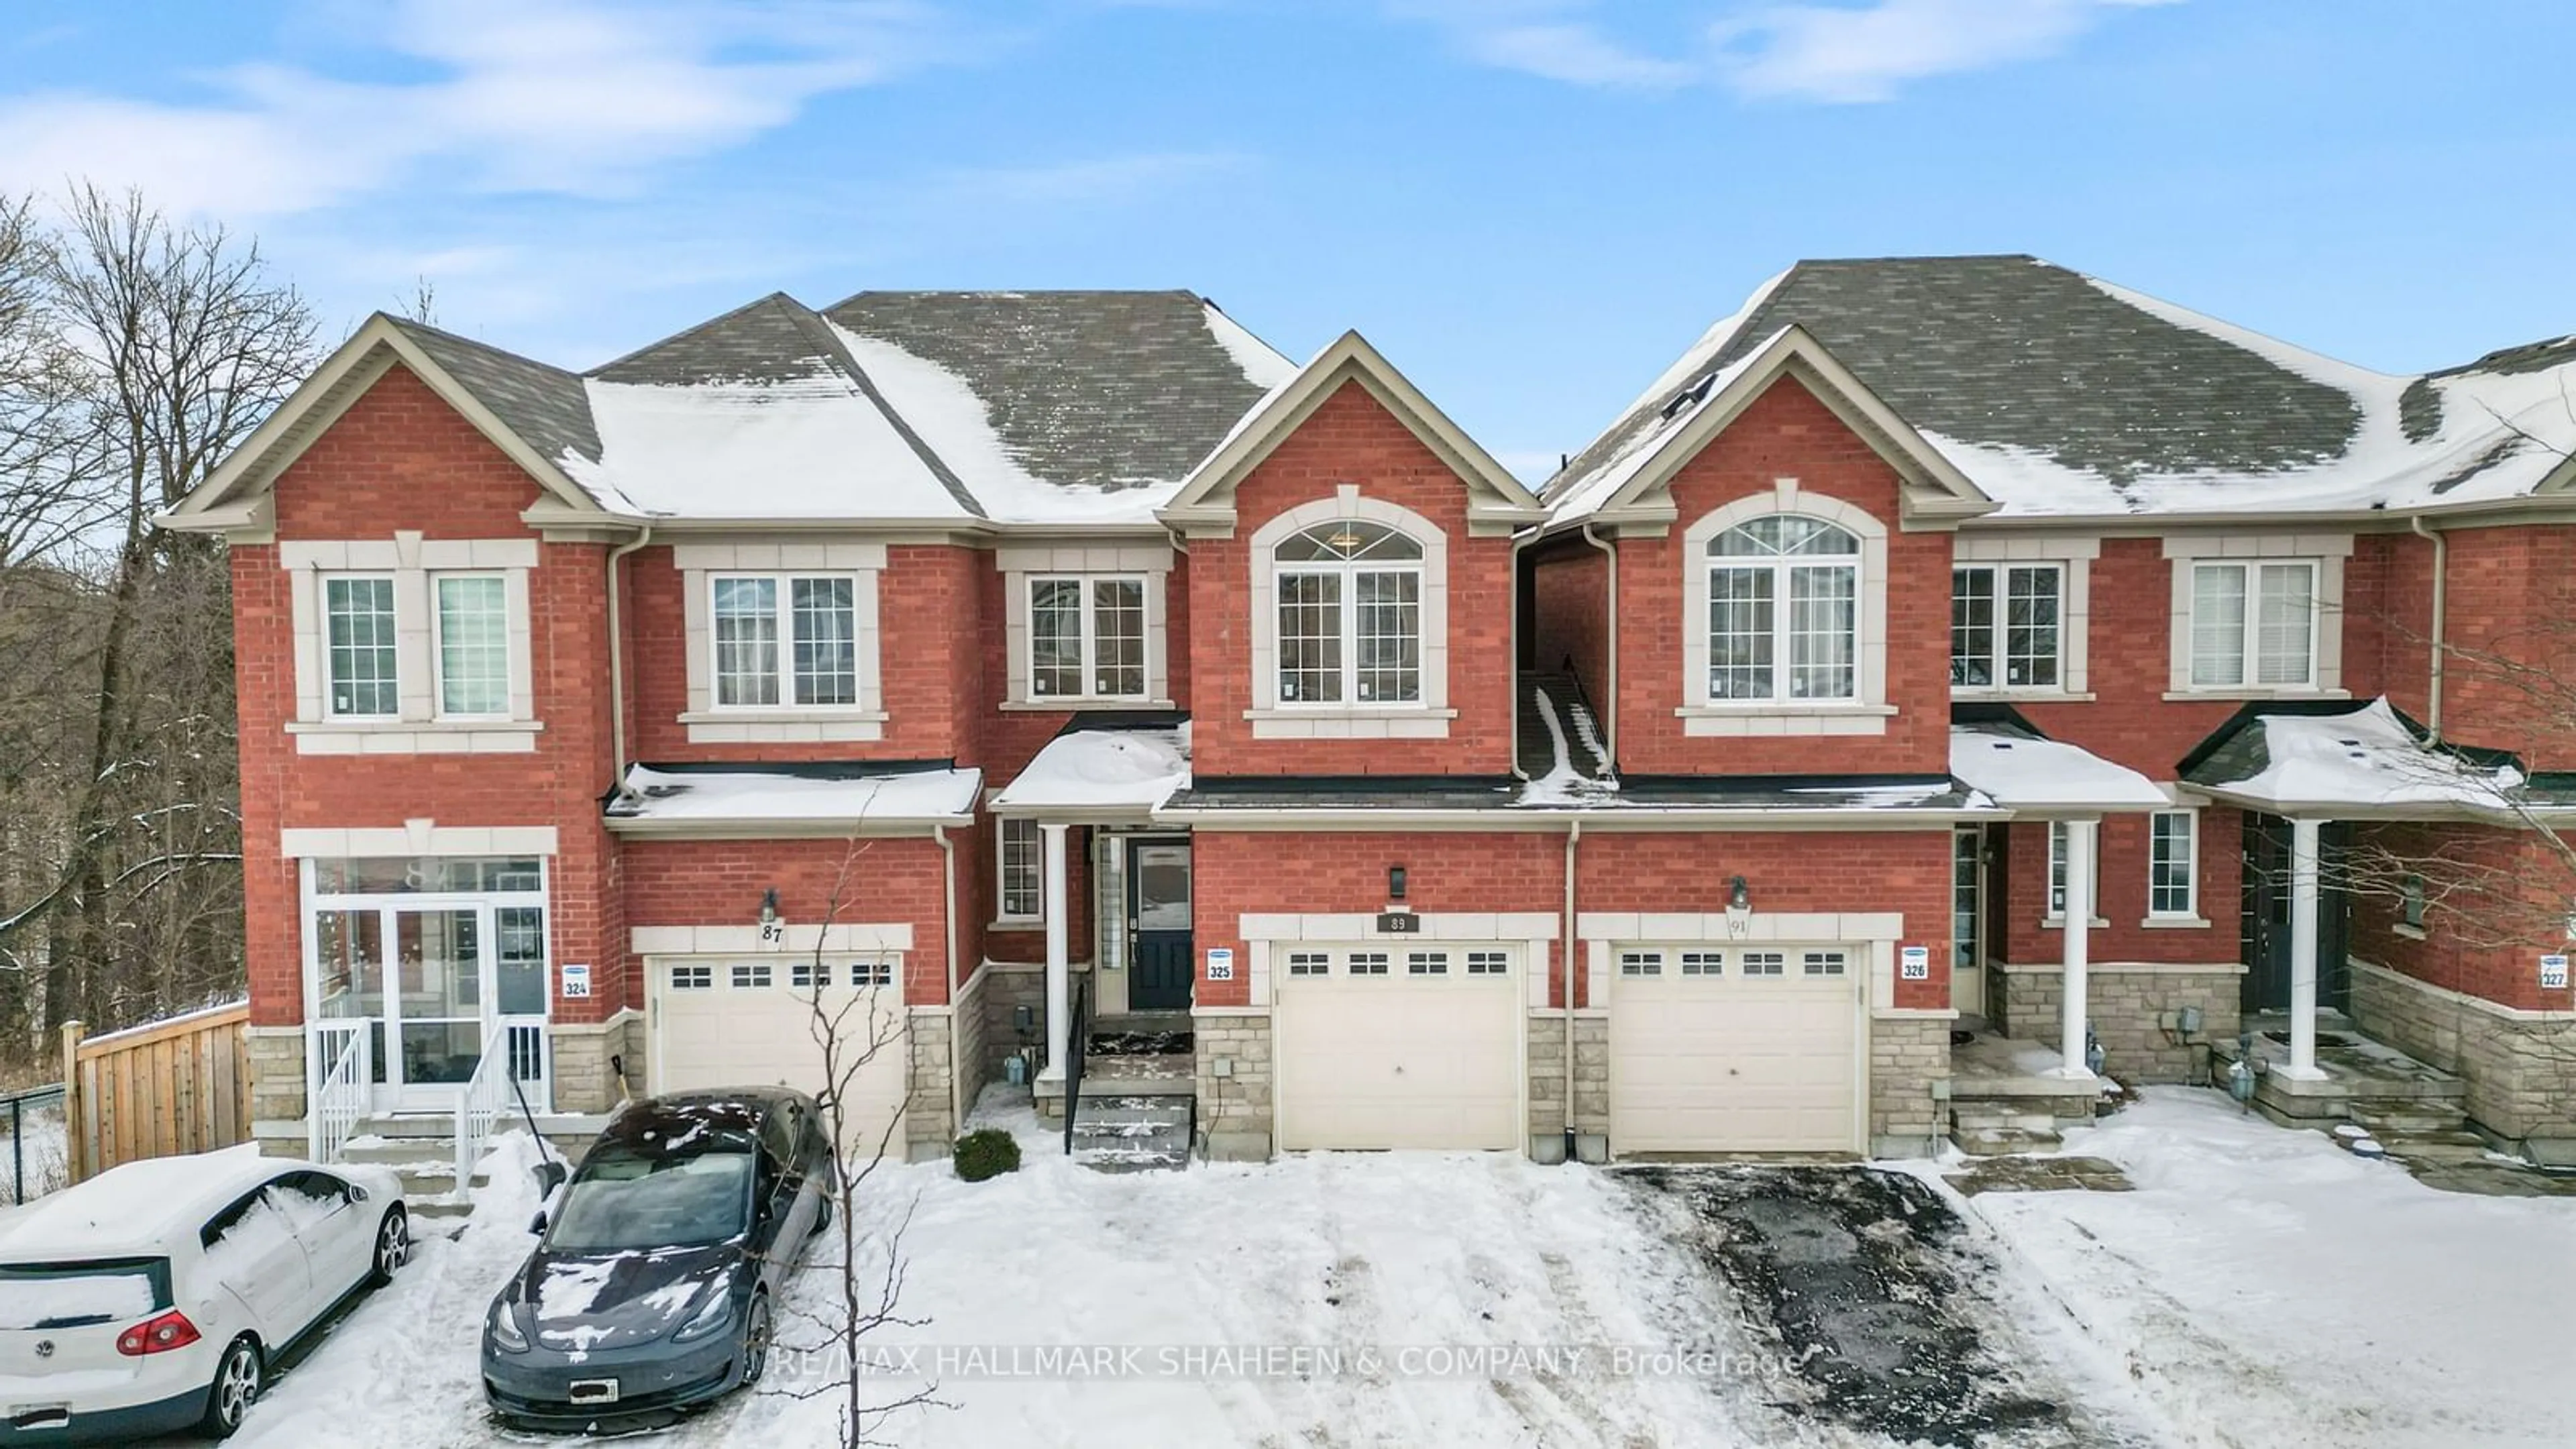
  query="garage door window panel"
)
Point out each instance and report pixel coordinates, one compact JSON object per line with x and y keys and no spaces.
{"x":1703,"y":963}
{"x":1368,"y":963}
{"x":1765,"y":963}
{"x":1641,"y":963}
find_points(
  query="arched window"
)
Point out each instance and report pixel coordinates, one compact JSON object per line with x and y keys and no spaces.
{"x":1783,"y":611}
{"x":1350,"y":615}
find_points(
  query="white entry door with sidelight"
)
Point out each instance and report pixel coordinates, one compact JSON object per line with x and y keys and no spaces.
{"x":439,"y":957}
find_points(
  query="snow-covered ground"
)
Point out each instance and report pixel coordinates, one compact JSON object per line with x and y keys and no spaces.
{"x":2259,"y":1287}
{"x":34,"y":1151}
{"x":2265,"y":1287}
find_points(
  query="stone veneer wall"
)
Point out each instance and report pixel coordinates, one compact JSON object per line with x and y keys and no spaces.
{"x":1234,"y":1109}
{"x":2520,"y":1067}
{"x":930,"y":1116}
{"x":2131,"y":1005}
{"x":1007,"y":986}
{"x":583,"y":1081}
{"x":1907,"y":1054}
{"x":276,"y":1074}
{"x":974,"y":1033}
{"x":1547,"y":1076}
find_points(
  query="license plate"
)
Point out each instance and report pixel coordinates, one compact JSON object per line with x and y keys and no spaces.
{"x":27,"y":1417}
{"x":594,"y":1391}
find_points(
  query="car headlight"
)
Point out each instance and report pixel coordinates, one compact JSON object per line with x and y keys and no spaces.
{"x":505,"y":1328}
{"x":714,"y":1317}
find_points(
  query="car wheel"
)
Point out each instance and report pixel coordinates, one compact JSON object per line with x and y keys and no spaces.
{"x":236,"y":1387}
{"x":755,"y":1339}
{"x":393,"y":1248}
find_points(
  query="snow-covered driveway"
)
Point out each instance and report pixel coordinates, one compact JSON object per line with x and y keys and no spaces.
{"x":2266,"y":1288}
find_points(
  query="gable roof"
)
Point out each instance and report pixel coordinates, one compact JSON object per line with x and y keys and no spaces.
{"x":946,"y":408}
{"x":1628,"y":474}
{"x":1206,"y":496}
{"x":2059,"y":394}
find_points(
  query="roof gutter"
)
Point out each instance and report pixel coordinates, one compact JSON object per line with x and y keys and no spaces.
{"x":1610,"y":688}
{"x":2441,"y":611}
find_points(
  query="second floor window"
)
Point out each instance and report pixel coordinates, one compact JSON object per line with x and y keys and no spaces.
{"x":788,"y":640}
{"x":2004,"y":622}
{"x":359,"y":614}
{"x":473,"y":645}
{"x":2254,"y":625}
{"x":1783,"y":611}
{"x":1350,"y":615}
{"x":1087,"y":638}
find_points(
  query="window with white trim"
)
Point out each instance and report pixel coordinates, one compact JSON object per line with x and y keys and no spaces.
{"x":1703,"y":963}
{"x":751,"y":975}
{"x":360,"y":680}
{"x":2411,"y":901}
{"x":1426,"y":963}
{"x":2057,"y":836}
{"x":1019,"y":860}
{"x":1824,"y":963}
{"x":2254,"y":623}
{"x":473,"y":645}
{"x":1783,"y":611}
{"x":1368,"y":963}
{"x":872,"y":973}
{"x":1488,"y":963}
{"x":784,"y":640}
{"x":1762,"y":963}
{"x":1349,"y":615}
{"x":1086,"y":637}
{"x":1309,"y":963}
{"x":2006,"y":626}
{"x":806,"y":975}
{"x":2173,"y":864}
{"x":1641,"y":963}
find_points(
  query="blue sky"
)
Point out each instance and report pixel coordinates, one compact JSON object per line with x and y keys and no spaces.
{"x":1530,"y":205}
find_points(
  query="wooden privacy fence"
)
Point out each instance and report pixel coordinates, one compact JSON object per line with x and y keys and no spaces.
{"x":167,"y":1087}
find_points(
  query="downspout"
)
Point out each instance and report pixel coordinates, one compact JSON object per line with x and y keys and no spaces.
{"x":2441,"y":608}
{"x":1573,"y":833}
{"x":1520,"y":541}
{"x":617,"y":662}
{"x":957,"y":1103}
{"x":1608,"y":707}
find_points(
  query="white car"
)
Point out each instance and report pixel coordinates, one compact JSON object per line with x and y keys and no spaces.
{"x":156,"y":1295}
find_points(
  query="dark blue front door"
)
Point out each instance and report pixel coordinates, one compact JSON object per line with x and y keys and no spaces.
{"x":1158,"y":922}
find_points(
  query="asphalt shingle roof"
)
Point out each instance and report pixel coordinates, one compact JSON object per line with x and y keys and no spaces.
{"x":544,"y":405}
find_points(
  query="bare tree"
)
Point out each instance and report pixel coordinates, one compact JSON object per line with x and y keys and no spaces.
{"x":852,"y":1030}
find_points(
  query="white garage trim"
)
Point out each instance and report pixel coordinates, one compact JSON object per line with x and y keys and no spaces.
{"x":1783,"y":1021}
{"x":1371,"y":1048}
{"x":1534,"y":933}
{"x":790,"y":940}
{"x":1880,"y":931}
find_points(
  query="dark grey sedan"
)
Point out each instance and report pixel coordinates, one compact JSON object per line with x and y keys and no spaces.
{"x":652,"y":1289}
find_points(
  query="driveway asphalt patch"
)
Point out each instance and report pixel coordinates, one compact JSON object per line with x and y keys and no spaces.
{"x":1854,"y":1273}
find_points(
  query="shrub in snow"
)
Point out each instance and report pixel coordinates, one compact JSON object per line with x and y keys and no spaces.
{"x":986,"y":1152}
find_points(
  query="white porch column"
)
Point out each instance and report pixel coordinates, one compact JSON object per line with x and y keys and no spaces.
{"x":2079,"y":928}
{"x":1059,"y":967}
{"x":2303,"y":953}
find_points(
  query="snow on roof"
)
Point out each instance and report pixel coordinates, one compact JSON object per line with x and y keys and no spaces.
{"x":1580,"y":494}
{"x":131,"y":1206}
{"x":1263,"y":365}
{"x":754,"y":796}
{"x":2024,"y":772}
{"x":2367,"y":758}
{"x":810,"y":447}
{"x":1107,"y":769}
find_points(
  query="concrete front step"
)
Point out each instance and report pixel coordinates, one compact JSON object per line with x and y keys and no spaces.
{"x":1132,"y":1133}
{"x":2003,"y":1141}
{"x":2461,"y":1145}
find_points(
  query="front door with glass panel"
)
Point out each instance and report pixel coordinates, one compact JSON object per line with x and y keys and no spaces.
{"x":1158,"y":916}
{"x":435,"y":975}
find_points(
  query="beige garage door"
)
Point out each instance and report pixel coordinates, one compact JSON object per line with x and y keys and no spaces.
{"x":1398,"y":1046}
{"x":749,"y":1023}
{"x":1721,"y":1049}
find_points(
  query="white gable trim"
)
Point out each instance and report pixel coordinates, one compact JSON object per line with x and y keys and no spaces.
{"x":1497,"y":501}
{"x":220,"y":503}
{"x":1934,"y":493}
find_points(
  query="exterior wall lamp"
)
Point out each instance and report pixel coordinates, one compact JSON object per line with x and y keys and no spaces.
{"x":1739,"y":907}
{"x":769,"y":906}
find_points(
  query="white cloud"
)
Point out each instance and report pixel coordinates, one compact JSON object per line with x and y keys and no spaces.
{"x":1809,"y":50}
{"x":1838,"y":54}
{"x":566,"y":96}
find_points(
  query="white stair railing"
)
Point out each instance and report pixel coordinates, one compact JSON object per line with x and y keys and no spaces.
{"x":480,"y":1103}
{"x":347,"y":1086}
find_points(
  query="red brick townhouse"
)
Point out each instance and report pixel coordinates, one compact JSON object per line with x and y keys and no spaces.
{"x":1066,"y":683}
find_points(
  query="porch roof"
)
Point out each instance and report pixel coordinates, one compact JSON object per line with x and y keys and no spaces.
{"x":2030,"y":774}
{"x":2358,"y":761}
{"x":789,"y":800}
{"x":1103,"y":769}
